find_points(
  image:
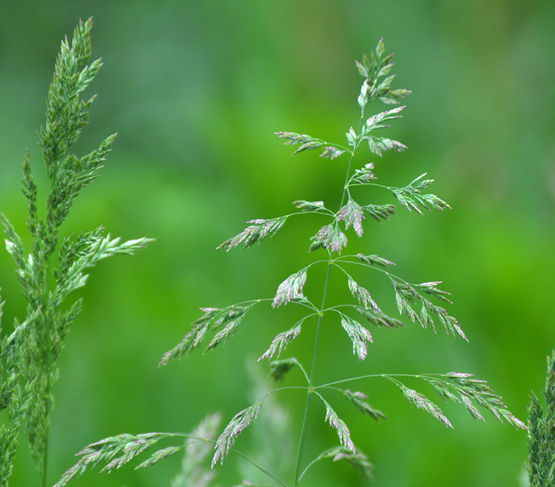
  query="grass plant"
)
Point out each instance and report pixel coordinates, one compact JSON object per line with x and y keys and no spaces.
{"x":541,"y":435}
{"x":56,"y":266}
{"x":421,"y":303}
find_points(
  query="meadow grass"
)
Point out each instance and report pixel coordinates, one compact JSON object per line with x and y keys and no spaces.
{"x":420,"y":303}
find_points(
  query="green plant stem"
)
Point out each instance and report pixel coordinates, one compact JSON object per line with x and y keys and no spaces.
{"x":346,"y":185}
{"x":383,"y":271}
{"x":259,"y":468}
{"x":47,"y":366}
{"x":238,"y":453}
{"x":377,"y":185}
{"x":302,"y":369}
{"x":317,"y":459}
{"x":42,"y":477}
{"x":371,"y":376}
{"x":319,"y":327}
{"x":311,"y":378}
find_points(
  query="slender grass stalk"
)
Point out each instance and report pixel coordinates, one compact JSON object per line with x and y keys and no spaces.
{"x":311,"y":377}
{"x":318,"y":329}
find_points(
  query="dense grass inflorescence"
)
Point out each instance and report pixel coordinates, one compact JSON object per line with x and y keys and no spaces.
{"x":56,"y":266}
{"x":421,"y":303}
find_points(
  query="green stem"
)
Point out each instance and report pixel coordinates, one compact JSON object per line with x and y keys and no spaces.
{"x":311,"y":378}
{"x":47,"y":368}
{"x":319,"y":327}
{"x":302,"y":369}
{"x":371,"y":376}
{"x":377,"y":185}
{"x":384,"y":271}
{"x":346,"y":185}
{"x":317,"y":459}
{"x":45,"y":458}
{"x":238,"y":453}
{"x":259,"y":467}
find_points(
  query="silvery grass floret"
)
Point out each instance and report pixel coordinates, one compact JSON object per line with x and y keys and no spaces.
{"x":29,"y":353}
{"x":422,"y":303}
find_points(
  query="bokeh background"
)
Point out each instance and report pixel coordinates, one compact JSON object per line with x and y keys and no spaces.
{"x":195,"y":91}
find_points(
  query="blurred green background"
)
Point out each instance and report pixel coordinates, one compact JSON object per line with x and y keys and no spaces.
{"x":195,"y":91}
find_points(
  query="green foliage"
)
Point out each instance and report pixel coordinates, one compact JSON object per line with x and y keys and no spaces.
{"x":541,"y":434}
{"x":330,"y":241}
{"x":28,"y":355}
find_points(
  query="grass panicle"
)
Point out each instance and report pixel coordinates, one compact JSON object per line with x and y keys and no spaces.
{"x":419,"y":303}
{"x":29,"y":354}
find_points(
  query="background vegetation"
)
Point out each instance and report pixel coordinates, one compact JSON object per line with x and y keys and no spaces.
{"x":195,"y":91}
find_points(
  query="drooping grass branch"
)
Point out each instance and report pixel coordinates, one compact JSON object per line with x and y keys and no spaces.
{"x":56,"y":266}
